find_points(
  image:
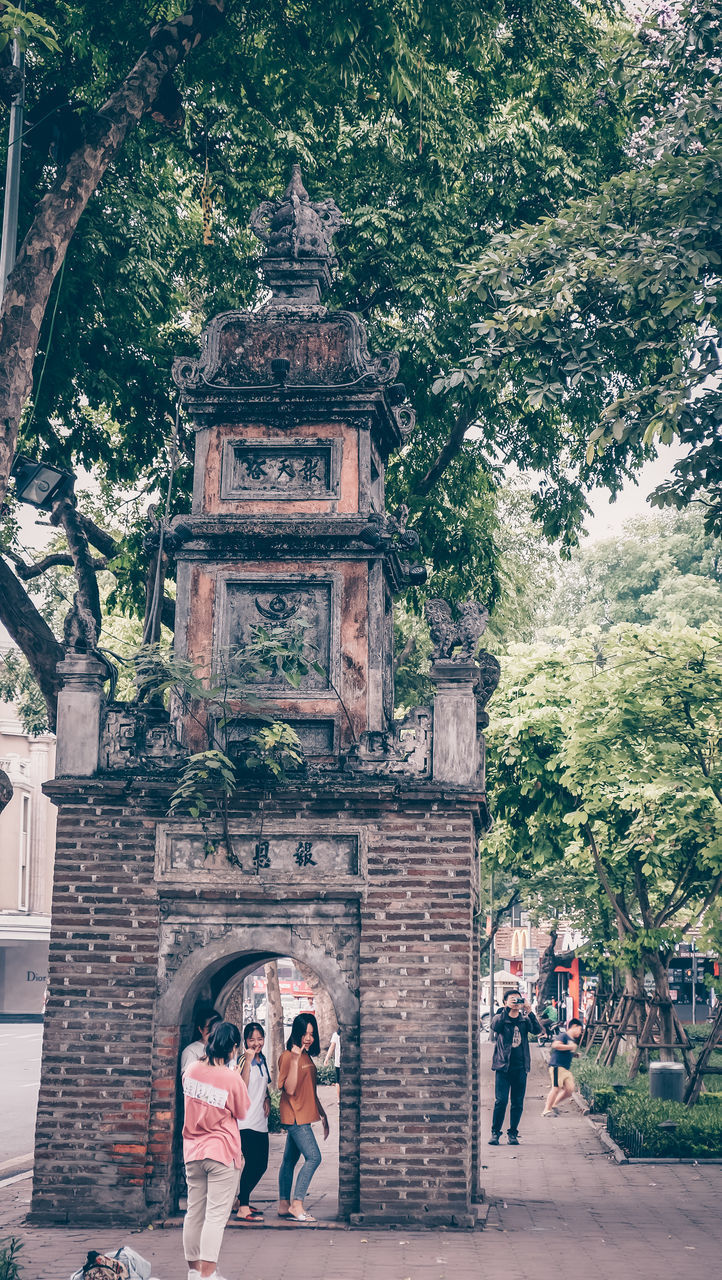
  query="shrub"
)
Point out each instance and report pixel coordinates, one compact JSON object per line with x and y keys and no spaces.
{"x":274,"y":1119}
{"x":697,"y":1132}
{"x":634,"y":1118}
{"x":10,"y":1268}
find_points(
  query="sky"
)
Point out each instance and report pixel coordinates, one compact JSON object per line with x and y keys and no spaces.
{"x":608,"y":518}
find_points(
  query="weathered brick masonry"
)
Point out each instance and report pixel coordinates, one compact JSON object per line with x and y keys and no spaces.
{"x":362,"y":868}
{"x":106,"y":1137}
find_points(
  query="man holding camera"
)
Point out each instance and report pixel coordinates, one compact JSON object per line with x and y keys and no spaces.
{"x":511,"y":1062}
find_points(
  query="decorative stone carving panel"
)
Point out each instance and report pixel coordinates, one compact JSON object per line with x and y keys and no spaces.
{"x":262,"y":602}
{"x":240,"y":351}
{"x":257,"y":469}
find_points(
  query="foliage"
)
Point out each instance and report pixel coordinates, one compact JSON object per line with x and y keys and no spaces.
{"x":10,"y":1265}
{"x":596,"y":1082}
{"x":431,"y":127}
{"x":599,"y":325}
{"x":27,"y":29}
{"x":17,"y":685}
{"x":605,"y":769}
{"x":274,"y":1118}
{"x":660,"y":568}
{"x":635,"y":1118}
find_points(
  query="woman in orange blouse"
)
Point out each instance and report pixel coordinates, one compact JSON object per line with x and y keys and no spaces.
{"x":300,"y":1107}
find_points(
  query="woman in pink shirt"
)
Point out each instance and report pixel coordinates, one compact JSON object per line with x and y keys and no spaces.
{"x":215,"y":1100}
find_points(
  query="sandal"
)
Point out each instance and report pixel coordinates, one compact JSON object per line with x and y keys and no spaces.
{"x":301,"y":1217}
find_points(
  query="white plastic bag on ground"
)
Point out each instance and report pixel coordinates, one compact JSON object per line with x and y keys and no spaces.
{"x":118,"y":1264}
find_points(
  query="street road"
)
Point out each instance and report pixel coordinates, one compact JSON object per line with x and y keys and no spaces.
{"x":20,"y":1046}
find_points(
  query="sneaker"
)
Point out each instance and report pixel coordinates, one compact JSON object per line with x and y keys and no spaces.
{"x":494,"y":1140}
{"x":513,"y":1139}
{"x":551,"y":1112}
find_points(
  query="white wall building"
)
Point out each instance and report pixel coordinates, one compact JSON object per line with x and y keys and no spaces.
{"x":27,"y":847}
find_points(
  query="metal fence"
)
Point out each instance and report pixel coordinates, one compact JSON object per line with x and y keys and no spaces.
{"x":626,"y":1136}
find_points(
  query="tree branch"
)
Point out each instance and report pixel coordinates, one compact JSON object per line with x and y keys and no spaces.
{"x":60,"y":558}
{"x":103,"y":541}
{"x":65,"y":512}
{"x":58,"y":213}
{"x":405,"y":653}
{"x":670,"y":908}
{"x":32,"y":635}
{"x":623,"y":916}
{"x":497,"y":918}
{"x":466,"y":418}
{"x":642,"y":895}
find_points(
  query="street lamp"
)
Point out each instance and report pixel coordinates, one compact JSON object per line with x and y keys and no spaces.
{"x":38,"y":483}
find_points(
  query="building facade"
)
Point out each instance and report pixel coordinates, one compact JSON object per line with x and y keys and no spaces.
{"x":360,"y":866}
{"x":27,"y":844}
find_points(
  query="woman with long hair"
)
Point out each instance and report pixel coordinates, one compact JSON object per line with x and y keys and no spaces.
{"x":215,"y":1100}
{"x":254,"y":1127}
{"x":300,"y":1108}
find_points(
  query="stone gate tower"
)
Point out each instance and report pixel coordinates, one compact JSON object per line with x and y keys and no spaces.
{"x":362,"y":867}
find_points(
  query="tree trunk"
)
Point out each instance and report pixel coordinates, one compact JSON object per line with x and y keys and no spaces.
{"x":322,"y":1007}
{"x":274,"y":1020}
{"x":547,"y":983}
{"x":6,"y":790}
{"x":65,"y":512}
{"x":32,"y":635}
{"x":660,"y":973}
{"x":58,"y":213}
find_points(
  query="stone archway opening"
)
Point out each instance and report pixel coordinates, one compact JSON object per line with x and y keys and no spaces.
{"x":236,"y":985}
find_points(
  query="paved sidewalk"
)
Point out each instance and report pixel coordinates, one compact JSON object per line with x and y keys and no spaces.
{"x":561,"y":1207}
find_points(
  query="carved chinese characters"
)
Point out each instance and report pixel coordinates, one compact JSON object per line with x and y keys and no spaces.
{"x":257,"y":469}
{"x":198,"y":856}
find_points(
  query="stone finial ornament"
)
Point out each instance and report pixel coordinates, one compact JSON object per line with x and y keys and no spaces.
{"x":459,"y":638}
{"x":297,"y":234}
{"x":294,"y":227}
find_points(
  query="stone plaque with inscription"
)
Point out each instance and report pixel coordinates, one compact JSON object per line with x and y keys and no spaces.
{"x":317,"y":736}
{"x":300,"y":856}
{"x":251,"y":604}
{"x":258,"y":469}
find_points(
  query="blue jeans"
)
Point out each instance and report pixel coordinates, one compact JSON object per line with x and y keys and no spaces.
{"x":300,"y":1141}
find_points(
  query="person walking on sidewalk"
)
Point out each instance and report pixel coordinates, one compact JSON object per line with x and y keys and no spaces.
{"x":215,"y":1100}
{"x":300,"y":1107}
{"x":511,"y":1063}
{"x":564,"y":1046}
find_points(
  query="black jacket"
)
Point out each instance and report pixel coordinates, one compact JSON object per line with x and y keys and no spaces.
{"x":502,"y":1025}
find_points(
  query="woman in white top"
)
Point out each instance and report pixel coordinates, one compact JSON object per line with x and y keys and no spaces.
{"x":254,"y":1126}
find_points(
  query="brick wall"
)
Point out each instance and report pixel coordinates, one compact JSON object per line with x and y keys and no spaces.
{"x":401,"y":950}
{"x":417,"y":1055}
{"x":92,"y":1127}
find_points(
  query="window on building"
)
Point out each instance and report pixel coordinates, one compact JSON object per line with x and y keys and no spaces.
{"x":24,"y":868}
{"x":516,"y":914}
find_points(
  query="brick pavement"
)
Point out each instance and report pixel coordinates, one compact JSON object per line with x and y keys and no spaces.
{"x":561,"y":1206}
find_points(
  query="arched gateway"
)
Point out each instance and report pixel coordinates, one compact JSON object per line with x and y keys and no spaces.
{"x":362,"y":867}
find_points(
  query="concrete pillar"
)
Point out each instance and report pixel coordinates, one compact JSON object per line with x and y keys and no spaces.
{"x":455,"y":741}
{"x":41,"y":843}
{"x":78,"y":728}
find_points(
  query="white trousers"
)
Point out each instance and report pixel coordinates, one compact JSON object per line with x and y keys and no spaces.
{"x":212,"y":1188}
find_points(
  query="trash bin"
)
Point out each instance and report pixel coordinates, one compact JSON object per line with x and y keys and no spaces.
{"x":667,"y":1080}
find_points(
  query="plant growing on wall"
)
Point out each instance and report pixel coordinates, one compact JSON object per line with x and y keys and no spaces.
{"x":211,"y":777}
